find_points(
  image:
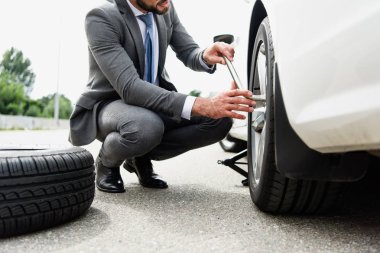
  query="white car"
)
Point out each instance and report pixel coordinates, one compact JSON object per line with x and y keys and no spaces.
{"x":318,"y":64}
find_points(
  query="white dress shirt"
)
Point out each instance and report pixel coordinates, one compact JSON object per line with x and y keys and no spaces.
{"x":189,"y":102}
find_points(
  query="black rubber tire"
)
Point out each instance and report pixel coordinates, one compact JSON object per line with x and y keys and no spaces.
{"x":275,"y":193}
{"x":43,"y":188}
{"x":231,"y":144}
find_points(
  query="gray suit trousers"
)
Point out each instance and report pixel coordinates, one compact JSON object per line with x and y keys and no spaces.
{"x":128,"y":131}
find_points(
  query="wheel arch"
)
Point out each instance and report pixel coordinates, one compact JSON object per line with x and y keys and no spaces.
{"x":258,"y":14}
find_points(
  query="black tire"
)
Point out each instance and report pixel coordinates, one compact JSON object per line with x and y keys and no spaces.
{"x":43,"y":188}
{"x":231,"y":144}
{"x":269,"y":189}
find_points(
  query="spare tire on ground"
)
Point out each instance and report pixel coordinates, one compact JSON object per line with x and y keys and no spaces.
{"x":43,"y":188}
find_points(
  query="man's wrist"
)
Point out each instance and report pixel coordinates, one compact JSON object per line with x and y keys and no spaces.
{"x":199,"y":107}
{"x":204,"y":60}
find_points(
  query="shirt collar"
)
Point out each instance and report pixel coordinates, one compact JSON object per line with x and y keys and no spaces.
{"x":135,"y":11}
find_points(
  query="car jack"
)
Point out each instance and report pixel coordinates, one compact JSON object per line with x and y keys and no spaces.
{"x":232,"y":164}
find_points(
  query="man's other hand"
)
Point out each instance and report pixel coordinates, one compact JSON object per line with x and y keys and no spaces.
{"x":225,"y":104}
{"x":214,"y":54}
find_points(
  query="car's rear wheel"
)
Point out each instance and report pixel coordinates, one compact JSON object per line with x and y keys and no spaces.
{"x":269,"y":189}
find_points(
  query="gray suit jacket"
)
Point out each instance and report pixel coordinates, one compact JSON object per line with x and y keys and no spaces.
{"x":117,"y":55}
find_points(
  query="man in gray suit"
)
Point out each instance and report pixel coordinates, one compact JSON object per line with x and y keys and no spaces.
{"x":131,"y":106}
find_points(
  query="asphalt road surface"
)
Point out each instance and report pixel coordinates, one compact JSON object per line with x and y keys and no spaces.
{"x":205,"y":209}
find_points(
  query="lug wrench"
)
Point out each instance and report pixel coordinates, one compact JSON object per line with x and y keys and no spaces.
{"x":228,"y":38}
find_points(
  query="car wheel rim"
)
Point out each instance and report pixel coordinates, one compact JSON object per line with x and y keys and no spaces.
{"x":258,"y":124}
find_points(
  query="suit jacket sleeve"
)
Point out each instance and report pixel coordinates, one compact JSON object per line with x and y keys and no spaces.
{"x":104,"y":37}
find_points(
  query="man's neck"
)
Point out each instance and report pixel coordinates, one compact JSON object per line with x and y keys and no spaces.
{"x":134,"y":3}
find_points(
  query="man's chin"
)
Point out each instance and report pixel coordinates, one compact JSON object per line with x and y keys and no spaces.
{"x":165,"y":10}
{"x":161,"y":11}
{"x":163,"y":7}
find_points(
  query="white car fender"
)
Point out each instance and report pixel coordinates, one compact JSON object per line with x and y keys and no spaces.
{"x":328,"y":53}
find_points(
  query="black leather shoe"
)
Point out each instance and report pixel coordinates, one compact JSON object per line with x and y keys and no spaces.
{"x":144,"y":170}
{"x":108,"y":179}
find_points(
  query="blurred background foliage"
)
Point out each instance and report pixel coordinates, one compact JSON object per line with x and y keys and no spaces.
{"x":195,"y":93}
{"x":16,"y":83}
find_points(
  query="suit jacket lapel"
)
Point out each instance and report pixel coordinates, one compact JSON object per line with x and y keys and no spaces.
{"x":162,"y":36}
{"x":134,"y":29}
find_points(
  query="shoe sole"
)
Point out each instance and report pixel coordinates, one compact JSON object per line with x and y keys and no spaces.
{"x":132,"y":170}
{"x":154,"y":187}
{"x":110,"y":191}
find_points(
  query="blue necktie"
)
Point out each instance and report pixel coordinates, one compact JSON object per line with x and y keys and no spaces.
{"x":149,"y":57}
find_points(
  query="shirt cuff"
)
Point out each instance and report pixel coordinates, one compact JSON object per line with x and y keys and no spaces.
{"x":187,"y":107}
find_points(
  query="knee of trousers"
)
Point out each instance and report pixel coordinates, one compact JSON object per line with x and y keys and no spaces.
{"x":144,"y":133}
{"x":223,"y":126}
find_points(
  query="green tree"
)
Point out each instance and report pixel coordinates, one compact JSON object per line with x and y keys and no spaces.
{"x":12,"y":95}
{"x":33,"y":111}
{"x":195,"y":93}
{"x":15,"y":64}
{"x":33,"y":108}
{"x":65,"y":106}
{"x":16,"y":82}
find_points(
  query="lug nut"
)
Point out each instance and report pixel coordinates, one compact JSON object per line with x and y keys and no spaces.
{"x":259,"y":122}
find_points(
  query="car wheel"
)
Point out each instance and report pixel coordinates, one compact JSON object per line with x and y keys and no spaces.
{"x":231,"y":144}
{"x":269,"y":189}
{"x":43,"y":188}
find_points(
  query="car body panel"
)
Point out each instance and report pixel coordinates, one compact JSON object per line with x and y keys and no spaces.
{"x":328,"y":57}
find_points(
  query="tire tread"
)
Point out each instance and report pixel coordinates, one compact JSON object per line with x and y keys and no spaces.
{"x":42,"y":190}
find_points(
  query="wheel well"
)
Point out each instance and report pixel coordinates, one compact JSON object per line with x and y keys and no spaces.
{"x":258,"y":14}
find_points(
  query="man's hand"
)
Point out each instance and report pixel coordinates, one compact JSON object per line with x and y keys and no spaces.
{"x":225,"y":104}
{"x":214,"y":53}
